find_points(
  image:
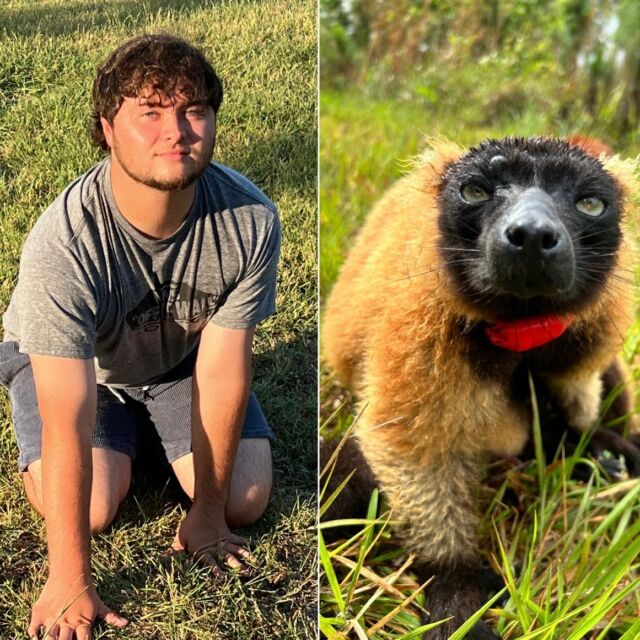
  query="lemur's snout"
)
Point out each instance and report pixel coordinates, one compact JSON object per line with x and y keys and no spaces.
{"x":530,"y":251}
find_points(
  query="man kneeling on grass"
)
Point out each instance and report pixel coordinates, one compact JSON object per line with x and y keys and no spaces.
{"x":138,"y":294}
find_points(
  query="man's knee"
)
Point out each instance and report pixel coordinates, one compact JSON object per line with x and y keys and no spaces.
{"x":246,"y":506}
{"x":250,"y":485}
{"x":111,"y":478}
{"x":250,"y":482}
{"x":102,"y":511}
{"x":33,"y":489}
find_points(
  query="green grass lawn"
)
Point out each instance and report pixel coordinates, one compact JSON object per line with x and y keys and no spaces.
{"x":265,"y":53}
{"x":568,"y":551}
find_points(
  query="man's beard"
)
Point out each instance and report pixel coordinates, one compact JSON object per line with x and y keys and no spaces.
{"x":176,"y":184}
{"x":166,"y":185}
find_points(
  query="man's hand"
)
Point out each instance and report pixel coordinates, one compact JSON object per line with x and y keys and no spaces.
{"x":208,"y":539}
{"x":66,"y":392}
{"x":221,"y":385}
{"x":68,"y":608}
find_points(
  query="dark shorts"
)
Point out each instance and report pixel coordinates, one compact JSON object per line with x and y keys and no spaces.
{"x":123,"y":415}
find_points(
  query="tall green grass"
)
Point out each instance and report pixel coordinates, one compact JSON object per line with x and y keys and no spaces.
{"x":567,"y":552}
{"x":265,"y":53}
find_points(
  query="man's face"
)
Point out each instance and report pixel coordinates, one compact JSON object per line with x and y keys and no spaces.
{"x":162,"y":143}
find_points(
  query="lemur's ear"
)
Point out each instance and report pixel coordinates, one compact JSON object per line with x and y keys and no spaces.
{"x":592,"y":146}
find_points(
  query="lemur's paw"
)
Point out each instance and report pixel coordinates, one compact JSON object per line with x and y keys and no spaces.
{"x":607,"y":440}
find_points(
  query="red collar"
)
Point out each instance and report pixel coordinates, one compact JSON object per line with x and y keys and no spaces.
{"x":527,"y":333}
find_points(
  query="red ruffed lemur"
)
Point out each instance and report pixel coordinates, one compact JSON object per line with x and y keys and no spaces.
{"x":476,"y":270}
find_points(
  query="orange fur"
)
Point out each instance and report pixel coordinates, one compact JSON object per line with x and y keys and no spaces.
{"x":592,"y":146}
{"x":392,"y":332}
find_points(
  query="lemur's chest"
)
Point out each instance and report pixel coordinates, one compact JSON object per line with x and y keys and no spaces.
{"x":511,"y":370}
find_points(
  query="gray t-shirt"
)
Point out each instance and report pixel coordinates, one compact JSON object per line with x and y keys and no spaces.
{"x":92,"y":286}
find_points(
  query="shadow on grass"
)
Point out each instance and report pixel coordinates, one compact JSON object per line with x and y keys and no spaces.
{"x":284,"y":381}
{"x":133,"y":577}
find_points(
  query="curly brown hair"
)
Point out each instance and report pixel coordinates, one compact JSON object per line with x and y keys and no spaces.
{"x":161,"y":63}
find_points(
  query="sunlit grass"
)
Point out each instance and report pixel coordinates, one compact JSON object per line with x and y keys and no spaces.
{"x":265,"y":54}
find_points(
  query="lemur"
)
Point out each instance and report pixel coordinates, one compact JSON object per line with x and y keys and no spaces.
{"x":475,"y":269}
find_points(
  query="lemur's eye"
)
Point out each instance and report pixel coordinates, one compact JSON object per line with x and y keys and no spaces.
{"x":590,"y":206}
{"x":473,"y":194}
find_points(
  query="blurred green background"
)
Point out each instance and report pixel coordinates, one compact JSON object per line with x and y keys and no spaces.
{"x":395,"y":72}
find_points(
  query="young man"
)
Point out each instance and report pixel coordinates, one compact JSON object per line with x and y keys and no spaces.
{"x":138,"y":294}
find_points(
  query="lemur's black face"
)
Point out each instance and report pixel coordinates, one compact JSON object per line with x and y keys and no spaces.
{"x":529,"y":226}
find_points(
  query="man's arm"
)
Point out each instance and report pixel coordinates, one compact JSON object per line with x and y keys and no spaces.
{"x":221,"y":385}
{"x":66,"y":392}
